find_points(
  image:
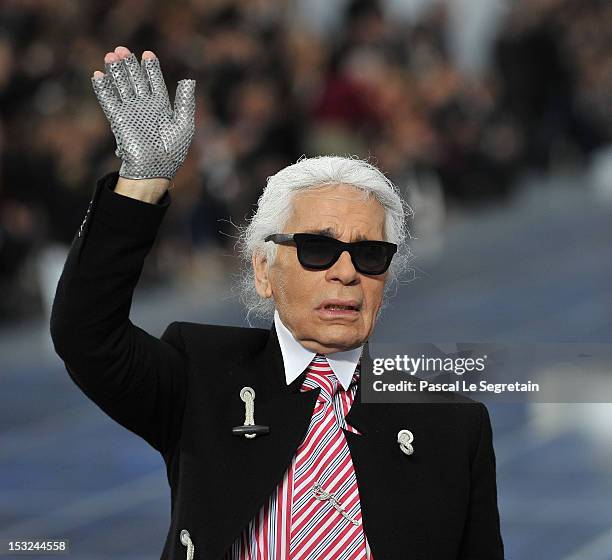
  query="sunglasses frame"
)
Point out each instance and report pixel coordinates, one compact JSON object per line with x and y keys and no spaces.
{"x":341,"y":246}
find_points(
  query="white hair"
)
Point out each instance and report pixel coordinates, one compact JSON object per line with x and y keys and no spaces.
{"x":274,"y":209}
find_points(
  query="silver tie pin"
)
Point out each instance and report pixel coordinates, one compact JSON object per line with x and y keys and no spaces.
{"x":405,"y":439}
{"x":249,"y":429}
{"x":320,"y":494}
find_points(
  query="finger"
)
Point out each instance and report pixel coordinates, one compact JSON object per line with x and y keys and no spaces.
{"x":139,"y":83}
{"x":111,"y":57}
{"x":106,"y":93}
{"x":184,"y":101}
{"x":152,"y":71}
{"x":122,"y":52}
{"x":118,"y":70}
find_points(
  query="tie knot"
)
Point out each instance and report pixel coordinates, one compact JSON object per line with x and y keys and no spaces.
{"x":320,"y":374}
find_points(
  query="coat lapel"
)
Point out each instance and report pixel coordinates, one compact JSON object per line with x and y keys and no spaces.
{"x":256,"y":466}
{"x":393,"y":503}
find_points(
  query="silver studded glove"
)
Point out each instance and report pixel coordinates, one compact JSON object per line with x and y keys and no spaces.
{"x":152,"y":139}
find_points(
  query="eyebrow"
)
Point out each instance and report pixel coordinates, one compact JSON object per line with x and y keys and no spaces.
{"x":331,"y":233}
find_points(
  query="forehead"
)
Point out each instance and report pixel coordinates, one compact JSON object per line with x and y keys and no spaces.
{"x":339,"y":211}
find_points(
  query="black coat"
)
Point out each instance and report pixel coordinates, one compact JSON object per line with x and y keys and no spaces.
{"x":181,"y":394}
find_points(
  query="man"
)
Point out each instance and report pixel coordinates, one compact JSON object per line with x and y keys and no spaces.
{"x":270,"y":452}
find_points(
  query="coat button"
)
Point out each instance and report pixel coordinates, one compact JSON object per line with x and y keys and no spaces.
{"x":186,"y":540}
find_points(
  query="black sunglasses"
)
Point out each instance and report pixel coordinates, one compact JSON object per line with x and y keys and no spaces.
{"x":320,"y":251}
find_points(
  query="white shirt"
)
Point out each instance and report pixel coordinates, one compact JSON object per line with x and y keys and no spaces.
{"x":296,"y":358}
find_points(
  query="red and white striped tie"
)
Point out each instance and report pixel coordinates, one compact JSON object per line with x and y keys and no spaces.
{"x":325,"y":510}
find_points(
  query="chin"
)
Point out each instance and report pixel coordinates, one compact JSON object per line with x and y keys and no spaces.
{"x":340,"y":338}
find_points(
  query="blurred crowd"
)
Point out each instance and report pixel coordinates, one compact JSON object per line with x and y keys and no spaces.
{"x":269,"y":90}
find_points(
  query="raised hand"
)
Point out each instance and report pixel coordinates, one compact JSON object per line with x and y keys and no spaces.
{"x":152,"y":138}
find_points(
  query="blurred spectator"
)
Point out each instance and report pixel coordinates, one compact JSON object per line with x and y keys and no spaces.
{"x":271,"y":89}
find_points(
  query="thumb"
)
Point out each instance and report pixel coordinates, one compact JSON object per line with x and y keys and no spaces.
{"x":184,"y":101}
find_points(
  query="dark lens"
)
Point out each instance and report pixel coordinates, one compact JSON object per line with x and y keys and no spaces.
{"x":318,"y":252}
{"x":371,"y":258}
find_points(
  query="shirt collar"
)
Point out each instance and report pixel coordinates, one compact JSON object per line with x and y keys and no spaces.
{"x":296,"y":358}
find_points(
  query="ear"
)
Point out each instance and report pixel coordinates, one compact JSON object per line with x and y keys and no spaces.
{"x":262,"y":279}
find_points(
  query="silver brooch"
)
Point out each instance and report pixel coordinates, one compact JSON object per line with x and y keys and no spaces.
{"x":405,"y":439}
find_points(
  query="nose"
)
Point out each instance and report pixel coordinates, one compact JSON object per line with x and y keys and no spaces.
{"x":342,"y":270}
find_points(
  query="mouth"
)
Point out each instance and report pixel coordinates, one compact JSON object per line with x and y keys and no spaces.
{"x":339,"y":308}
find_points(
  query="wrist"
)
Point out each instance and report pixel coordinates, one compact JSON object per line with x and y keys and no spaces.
{"x":146,"y":190}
